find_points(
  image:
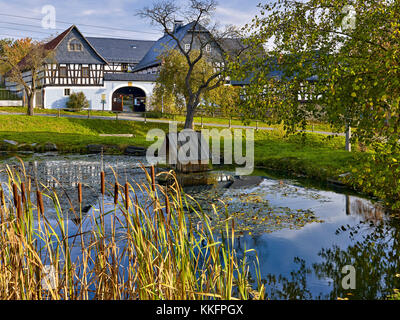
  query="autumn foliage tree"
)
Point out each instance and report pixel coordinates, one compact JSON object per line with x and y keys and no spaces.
{"x":23,"y":60}
{"x":14,"y":50}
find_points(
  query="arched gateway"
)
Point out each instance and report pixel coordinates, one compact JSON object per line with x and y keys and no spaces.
{"x":129,"y":99}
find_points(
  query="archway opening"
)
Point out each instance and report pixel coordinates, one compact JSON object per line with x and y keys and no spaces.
{"x":129,"y":99}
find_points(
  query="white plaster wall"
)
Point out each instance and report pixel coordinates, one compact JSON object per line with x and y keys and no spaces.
{"x":55,"y":99}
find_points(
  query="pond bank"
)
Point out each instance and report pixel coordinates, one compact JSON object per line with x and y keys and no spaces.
{"x":317,"y":157}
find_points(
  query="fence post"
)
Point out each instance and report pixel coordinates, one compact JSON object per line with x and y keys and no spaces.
{"x":230,"y":122}
{"x":348,"y":137}
{"x":145,"y":118}
{"x":202,"y":121}
{"x":256,"y":125}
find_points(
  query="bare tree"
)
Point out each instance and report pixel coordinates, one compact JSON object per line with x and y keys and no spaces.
{"x":201,"y":36}
{"x":25,"y":73}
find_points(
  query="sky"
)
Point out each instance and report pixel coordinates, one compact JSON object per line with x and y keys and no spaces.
{"x":102,"y":18}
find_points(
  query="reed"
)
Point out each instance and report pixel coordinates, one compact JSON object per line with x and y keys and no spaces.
{"x":150,"y":249}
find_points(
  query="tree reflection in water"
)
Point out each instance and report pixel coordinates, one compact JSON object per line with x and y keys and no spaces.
{"x":374,"y":252}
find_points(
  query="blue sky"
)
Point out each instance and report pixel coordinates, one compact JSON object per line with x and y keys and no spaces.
{"x":22,"y":18}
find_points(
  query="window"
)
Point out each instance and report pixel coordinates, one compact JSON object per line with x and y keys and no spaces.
{"x":208,"y":48}
{"x":85,"y":72}
{"x":187,"y":47}
{"x":63,"y":72}
{"x":124,"y":67}
{"x":74,"y":45}
{"x":67,"y":92}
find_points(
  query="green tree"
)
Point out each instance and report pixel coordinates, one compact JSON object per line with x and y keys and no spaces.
{"x":77,"y":101}
{"x":224,"y":99}
{"x":352,"y":49}
{"x":171,"y":91}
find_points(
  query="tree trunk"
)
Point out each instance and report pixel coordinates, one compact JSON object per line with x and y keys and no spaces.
{"x":30,"y":99}
{"x":189,"y":123}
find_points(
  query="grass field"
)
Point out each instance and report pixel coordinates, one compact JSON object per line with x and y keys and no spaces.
{"x":71,"y":134}
{"x":312,"y":126}
{"x":56,"y":112}
{"x":316,"y":156}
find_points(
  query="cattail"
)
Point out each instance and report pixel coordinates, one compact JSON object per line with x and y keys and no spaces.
{"x":126,"y":196}
{"x":153,"y":179}
{"x":103,"y":182}
{"x":167,"y":207}
{"x":39,"y":200}
{"x":19,"y":208}
{"x":1,"y":206}
{"x":15,"y":194}
{"x":80,"y":192}
{"x":3,"y":203}
{"x":23,"y":194}
{"x":116,"y":190}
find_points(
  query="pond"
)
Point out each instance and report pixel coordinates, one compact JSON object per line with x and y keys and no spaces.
{"x":303,"y":234}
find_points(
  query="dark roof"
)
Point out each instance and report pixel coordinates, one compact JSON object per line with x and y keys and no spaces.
{"x":166,"y":43}
{"x":128,"y":76}
{"x":52,"y":44}
{"x":277,"y":71}
{"x":63,"y":56}
{"x":121,"y":50}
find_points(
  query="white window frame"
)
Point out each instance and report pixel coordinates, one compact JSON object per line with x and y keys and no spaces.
{"x":208,"y":48}
{"x":187,"y":47}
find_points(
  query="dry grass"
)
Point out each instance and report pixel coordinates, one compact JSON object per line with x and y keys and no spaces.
{"x":149,"y":250}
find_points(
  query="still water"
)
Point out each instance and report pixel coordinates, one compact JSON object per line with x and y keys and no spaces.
{"x":304,"y":235}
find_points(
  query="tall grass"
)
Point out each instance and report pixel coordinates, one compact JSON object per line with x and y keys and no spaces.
{"x":148,"y":249}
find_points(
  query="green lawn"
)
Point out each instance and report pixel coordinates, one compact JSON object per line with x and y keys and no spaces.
{"x":71,"y":134}
{"x":316,"y":126}
{"x":56,"y":112}
{"x":317,"y":156}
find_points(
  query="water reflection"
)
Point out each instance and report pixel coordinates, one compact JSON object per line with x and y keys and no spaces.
{"x":298,"y":263}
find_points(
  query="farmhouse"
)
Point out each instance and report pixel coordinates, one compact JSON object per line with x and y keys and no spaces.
{"x":106,"y":70}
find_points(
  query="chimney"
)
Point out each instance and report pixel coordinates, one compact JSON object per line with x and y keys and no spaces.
{"x":177,"y":24}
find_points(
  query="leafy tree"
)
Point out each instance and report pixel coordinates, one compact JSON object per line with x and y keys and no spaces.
{"x":202,"y":34}
{"x":172,"y":93}
{"x":23,"y":60}
{"x":15,"y":50}
{"x":224,"y":99}
{"x":351,"y":48}
{"x":77,"y":101}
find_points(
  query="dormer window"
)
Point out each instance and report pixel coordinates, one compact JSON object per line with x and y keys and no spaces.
{"x":74,"y":45}
{"x":208,"y":48}
{"x":187,"y":47}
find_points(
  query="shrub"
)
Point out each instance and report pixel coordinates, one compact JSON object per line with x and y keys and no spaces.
{"x":77,"y":101}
